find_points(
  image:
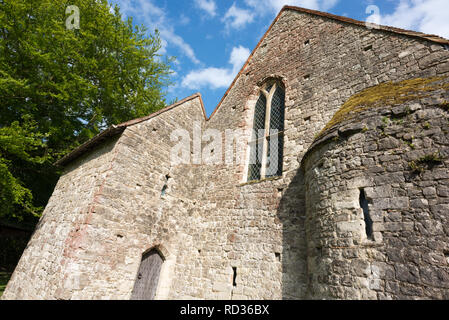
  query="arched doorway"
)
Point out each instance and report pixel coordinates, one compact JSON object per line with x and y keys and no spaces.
{"x":148,"y":276}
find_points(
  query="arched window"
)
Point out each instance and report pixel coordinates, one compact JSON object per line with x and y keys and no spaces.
{"x":267,"y":141}
{"x":148,"y":276}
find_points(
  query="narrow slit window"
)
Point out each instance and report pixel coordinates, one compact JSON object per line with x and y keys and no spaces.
{"x":278,"y":256}
{"x":366,"y":215}
{"x":165,"y":187}
{"x":164,"y":190}
{"x":234,"y":277}
{"x":267,"y":142}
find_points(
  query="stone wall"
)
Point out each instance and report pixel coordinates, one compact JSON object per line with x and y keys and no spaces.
{"x":106,"y":211}
{"x":338,"y":67}
{"x":43,"y":270}
{"x":399,"y":157}
{"x":210,"y":223}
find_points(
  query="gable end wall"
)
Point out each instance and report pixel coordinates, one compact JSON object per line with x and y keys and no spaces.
{"x":209,"y":222}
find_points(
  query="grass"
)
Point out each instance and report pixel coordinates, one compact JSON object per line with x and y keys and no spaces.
{"x":4,"y":278}
{"x":386,"y":94}
{"x":428,"y":161}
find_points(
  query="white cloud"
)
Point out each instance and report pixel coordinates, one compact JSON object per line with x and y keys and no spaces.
{"x":428,"y":16}
{"x":155,"y":17}
{"x":215,"y":78}
{"x":210,"y":77}
{"x":328,"y":4}
{"x":207,"y":5}
{"x":239,"y":55}
{"x":237,"y":18}
{"x":184,"y":20}
{"x":169,"y":35}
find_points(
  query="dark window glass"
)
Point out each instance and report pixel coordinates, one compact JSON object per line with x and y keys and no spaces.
{"x":277,"y":110}
{"x":272,"y":139}
{"x":260,"y":113}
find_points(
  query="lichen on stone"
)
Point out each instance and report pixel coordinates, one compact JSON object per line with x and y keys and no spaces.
{"x":385,"y":94}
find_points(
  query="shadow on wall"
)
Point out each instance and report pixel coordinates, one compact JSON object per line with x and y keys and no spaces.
{"x":292,"y":213}
{"x":400,"y":161}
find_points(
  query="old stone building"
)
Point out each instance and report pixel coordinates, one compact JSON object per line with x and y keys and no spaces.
{"x":356,"y":207}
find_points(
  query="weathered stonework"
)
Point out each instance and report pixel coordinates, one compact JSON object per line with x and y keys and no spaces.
{"x":399,"y":156}
{"x":298,"y":236}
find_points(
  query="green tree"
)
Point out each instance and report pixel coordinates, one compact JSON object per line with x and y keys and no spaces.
{"x":60,"y":87}
{"x":18,"y":142}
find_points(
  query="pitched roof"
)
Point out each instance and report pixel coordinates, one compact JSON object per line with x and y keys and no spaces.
{"x":413,"y":34}
{"x":116,"y":129}
{"x":430,"y":37}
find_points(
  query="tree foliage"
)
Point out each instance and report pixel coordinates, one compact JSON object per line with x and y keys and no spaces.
{"x":60,"y":87}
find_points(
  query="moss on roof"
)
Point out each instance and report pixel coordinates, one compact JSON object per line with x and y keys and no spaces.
{"x":385,"y":94}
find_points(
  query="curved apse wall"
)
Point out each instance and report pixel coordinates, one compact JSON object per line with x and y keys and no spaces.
{"x":377,"y":196}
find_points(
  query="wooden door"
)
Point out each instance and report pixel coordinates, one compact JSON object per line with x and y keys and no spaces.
{"x":148,"y":276}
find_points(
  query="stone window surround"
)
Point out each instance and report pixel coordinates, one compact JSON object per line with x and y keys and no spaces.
{"x":276,"y":82}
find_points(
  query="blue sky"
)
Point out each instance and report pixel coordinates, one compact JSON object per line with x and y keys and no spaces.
{"x":211,"y":39}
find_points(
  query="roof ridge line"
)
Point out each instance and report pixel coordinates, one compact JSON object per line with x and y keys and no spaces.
{"x":115,"y":129}
{"x":410,"y":33}
{"x":165,"y":109}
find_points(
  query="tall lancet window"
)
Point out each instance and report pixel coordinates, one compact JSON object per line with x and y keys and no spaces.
{"x":267,"y":141}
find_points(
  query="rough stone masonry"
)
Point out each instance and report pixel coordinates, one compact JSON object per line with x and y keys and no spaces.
{"x":360,"y":212}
